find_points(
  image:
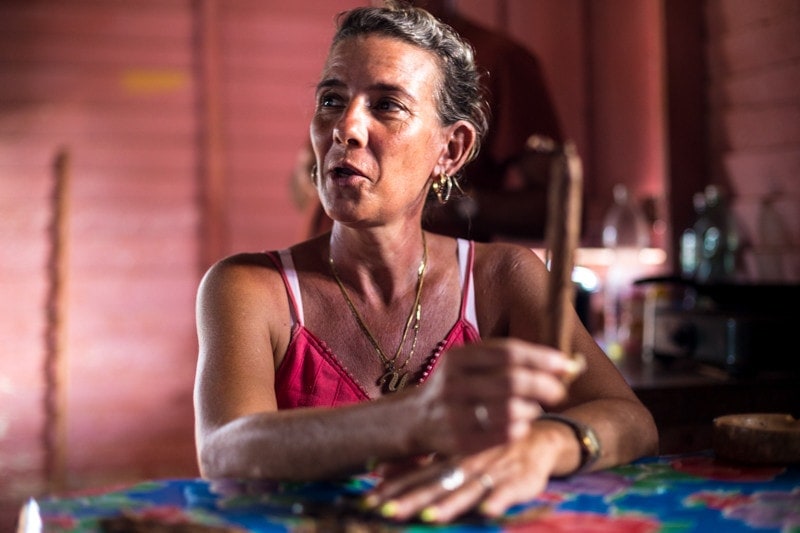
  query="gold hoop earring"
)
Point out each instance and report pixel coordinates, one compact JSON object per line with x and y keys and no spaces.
{"x":443,"y":187}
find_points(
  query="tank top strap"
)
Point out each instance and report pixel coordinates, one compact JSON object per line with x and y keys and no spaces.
{"x":285,"y":265}
{"x":466,"y":258}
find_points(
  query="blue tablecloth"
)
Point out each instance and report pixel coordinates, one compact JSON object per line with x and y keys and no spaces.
{"x":669,"y":493}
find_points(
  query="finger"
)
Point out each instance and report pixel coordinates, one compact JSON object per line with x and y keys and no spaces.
{"x":510,"y":491}
{"x":578,"y":367}
{"x":392,"y":486}
{"x":501,"y":384}
{"x":518,"y":477}
{"x":493,"y":353}
{"x":538,"y":386}
{"x":498,"y":416}
{"x":513,"y":352}
{"x":476,"y":426}
{"x":488,"y":472}
{"x":457,"y":502}
{"x":472,"y":427}
{"x":413,"y":494}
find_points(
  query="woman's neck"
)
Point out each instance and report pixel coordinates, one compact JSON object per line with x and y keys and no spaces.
{"x":382,"y":266}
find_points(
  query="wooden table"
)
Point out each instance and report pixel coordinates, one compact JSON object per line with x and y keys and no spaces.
{"x":685,"y":397}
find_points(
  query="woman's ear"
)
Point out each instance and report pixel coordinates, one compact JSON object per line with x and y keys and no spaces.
{"x":459,"y":147}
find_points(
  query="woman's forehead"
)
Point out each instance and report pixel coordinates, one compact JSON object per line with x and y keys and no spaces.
{"x":379,"y":56}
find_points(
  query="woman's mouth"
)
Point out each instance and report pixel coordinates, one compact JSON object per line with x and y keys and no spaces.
{"x":343,"y":172}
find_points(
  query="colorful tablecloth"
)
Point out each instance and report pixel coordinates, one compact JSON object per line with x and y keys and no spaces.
{"x":668,"y":494}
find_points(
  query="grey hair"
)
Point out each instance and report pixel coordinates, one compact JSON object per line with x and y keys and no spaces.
{"x":460,"y":95}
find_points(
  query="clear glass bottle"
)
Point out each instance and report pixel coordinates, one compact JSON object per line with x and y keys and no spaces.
{"x":625,"y":234}
{"x":718,"y":240}
{"x":690,"y":238}
{"x":625,"y":225}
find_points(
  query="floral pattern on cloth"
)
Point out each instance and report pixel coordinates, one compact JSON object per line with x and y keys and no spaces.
{"x":660,"y":494}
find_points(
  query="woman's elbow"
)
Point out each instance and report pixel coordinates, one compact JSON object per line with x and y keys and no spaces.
{"x":214,"y":458}
{"x":649,"y":435}
{"x":207,"y":462}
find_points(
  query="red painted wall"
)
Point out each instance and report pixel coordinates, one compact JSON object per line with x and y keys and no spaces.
{"x":754,"y":98}
{"x":604,"y":64}
{"x":113,"y":84}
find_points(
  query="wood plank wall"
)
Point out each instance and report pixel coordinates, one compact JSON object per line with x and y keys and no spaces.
{"x":119,"y":85}
{"x":271,"y":59}
{"x":753,"y":55}
{"x":111,"y":83}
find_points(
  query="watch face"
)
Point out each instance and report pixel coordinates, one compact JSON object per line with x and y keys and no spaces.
{"x":591,"y":444}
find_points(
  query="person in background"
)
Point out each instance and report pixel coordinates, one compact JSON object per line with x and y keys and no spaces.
{"x":379,"y":346}
{"x":506,"y":185}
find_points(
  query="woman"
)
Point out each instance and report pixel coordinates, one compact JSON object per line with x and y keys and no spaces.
{"x":364,"y":346}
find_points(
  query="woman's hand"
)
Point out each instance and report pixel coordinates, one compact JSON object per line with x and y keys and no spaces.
{"x":488,"y":393}
{"x":489,"y":481}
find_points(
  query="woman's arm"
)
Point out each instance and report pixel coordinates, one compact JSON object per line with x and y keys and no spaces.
{"x":243,"y":321}
{"x":501,"y":476}
{"x":600,"y":397}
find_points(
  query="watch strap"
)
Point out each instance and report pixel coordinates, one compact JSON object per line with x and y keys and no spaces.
{"x":587,"y":440}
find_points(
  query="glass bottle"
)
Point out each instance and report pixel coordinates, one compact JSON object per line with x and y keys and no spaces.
{"x":625,"y":234}
{"x":718,"y":240}
{"x":690,"y":238}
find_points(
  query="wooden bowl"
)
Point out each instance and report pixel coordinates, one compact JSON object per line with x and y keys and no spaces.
{"x":757,"y":438}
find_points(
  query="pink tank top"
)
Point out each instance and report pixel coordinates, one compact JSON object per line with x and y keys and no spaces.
{"x":311,"y":375}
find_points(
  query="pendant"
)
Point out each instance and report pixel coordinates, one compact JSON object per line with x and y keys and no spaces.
{"x":393,"y":381}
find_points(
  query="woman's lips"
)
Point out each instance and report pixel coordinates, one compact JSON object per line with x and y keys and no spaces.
{"x":346,"y":173}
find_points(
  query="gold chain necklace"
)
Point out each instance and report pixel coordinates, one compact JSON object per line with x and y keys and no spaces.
{"x":393,"y":378}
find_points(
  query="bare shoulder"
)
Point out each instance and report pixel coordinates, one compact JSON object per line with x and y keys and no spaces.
{"x":510,"y":286}
{"x":243,"y":285}
{"x":507,"y":263}
{"x":238,"y":272}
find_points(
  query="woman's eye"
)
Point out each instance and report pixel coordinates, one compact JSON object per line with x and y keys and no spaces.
{"x":387,"y":104}
{"x":329,"y":100}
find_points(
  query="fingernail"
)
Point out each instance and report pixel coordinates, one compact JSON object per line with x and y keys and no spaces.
{"x":576,"y":365}
{"x":429,"y":514}
{"x":370,"y":501}
{"x":483,"y":509}
{"x":389,"y":509}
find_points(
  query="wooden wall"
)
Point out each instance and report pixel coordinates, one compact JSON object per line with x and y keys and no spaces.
{"x":156,"y":102}
{"x":753,"y":54}
{"x":113,"y":84}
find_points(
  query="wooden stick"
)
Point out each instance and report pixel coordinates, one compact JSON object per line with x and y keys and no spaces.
{"x":562,"y":234}
{"x":55,"y":364}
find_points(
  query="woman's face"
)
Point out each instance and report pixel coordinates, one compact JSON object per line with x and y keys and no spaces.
{"x":376,"y":133}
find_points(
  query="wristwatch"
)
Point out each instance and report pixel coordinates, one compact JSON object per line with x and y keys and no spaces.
{"x":587,"y":439}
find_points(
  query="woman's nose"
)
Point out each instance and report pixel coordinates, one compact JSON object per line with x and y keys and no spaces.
{"x":351,"y":128}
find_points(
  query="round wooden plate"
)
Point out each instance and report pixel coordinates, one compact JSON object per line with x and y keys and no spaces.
{"x":757,"y":438}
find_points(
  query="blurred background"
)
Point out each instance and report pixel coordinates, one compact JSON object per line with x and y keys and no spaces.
{"x":142,"y":141}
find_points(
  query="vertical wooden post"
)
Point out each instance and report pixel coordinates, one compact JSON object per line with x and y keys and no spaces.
{"x":213,"y":224}
{"x":55,"y":363}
